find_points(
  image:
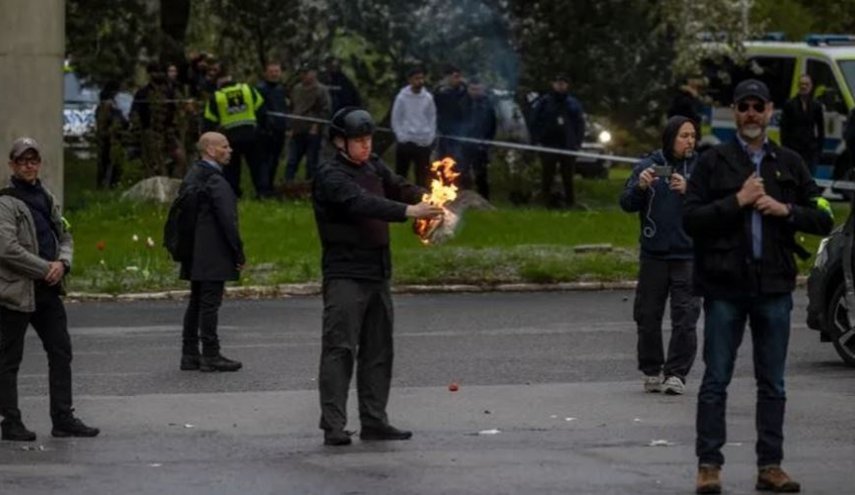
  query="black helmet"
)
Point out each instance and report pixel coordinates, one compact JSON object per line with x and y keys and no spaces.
{"x":351,"y":122}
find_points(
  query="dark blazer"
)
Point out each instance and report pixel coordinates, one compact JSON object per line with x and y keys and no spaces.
{"x":217,"y":249}
{"x":721,"y":229}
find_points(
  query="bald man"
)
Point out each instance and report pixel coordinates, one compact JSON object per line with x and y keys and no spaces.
{"x":217,"y":255}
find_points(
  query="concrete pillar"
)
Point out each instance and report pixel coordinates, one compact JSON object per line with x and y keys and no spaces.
{"x":32,"y":50}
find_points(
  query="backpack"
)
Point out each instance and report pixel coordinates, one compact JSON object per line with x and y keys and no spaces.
{"x":179,"y":231}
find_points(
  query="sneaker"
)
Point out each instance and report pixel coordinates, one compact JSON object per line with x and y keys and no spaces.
{"x":337,"y":438}
{"x":386,"y":432}
{"x":218,"y":363}
{"x":709,"y":479}
{"x":70,"y":426}
{"x":774,"y":479}
{"x":652,"y":384}
{"x":674,"y":385}
{"x":14,"y":430}
{"x":189,"y":362}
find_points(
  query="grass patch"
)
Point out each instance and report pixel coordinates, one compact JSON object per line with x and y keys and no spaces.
{"x":509,"y":245}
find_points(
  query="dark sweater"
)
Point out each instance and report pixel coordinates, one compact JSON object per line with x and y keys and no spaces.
{"x":37,"y":200}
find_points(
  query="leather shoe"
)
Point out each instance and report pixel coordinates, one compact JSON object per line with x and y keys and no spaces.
{"x":386,"y":432}
{"x":709,"y":479}
{"x":69,"y":426}
{"x":218,"y":363}
{"x":337,"y":438}
{"x":15,"y":431}
{"x":775,"y":479}
{"x":189,"y":362}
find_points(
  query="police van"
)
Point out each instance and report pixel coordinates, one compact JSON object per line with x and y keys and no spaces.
{"x":828,"y":59}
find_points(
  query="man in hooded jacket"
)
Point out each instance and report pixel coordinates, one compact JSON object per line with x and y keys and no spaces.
{"x":655,"y":190}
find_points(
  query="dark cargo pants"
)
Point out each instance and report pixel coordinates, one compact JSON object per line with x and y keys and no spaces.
{"x":357,"y":326}
{"x":657,"y":279}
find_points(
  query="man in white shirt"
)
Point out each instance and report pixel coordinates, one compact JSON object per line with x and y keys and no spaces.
{"x":414,"y":124}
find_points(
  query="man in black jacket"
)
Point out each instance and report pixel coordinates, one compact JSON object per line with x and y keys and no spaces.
{"x":217,"y":255}
{"x":558,"y":121}
{"x":745,"y":201}
{"x":355,"y":195}
{"x":803,"y":124}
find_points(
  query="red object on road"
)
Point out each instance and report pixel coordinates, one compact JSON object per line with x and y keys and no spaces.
{"x":453,"y":387}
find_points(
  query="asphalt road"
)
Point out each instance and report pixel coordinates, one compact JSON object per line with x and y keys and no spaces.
{"x":553,"y":373}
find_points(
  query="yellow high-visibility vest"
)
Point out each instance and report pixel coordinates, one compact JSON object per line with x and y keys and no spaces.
{"x":236,"y":106}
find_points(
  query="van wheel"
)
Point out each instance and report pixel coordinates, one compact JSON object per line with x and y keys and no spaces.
{"x":837,"y":328}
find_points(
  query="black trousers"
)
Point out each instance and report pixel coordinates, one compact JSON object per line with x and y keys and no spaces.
{"x":357,"y":327}
{"x":419,"y":156}
{"x":657,"y":279}
{"x":476,"y":160}
{"x":245,"y":144}
{"x":551,"y":161}
{"x":200,"y":319}
{"x":51,"y":325}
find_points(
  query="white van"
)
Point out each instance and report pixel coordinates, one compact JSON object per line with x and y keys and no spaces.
{"x":828,"y":59}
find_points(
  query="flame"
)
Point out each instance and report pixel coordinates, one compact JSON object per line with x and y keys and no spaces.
{"x":442,"y":191}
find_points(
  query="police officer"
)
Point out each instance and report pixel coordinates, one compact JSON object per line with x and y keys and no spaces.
{"x":355,"y":195}
{"x":234,"y":110}
{"x":36,"y":255}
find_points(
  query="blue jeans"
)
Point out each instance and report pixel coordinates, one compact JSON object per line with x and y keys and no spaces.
{"x":769,"y":316}
{"x":303,"y":144}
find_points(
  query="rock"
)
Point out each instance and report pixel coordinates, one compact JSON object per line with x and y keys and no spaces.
{"x":467,"y":199}
{"x":160,"y":189}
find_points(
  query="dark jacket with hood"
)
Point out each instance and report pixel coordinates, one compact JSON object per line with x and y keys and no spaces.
{"x":354,"y":204}
{"x":721,"y":229}
{"x":558,"y":120}
{"x":660,"y":210}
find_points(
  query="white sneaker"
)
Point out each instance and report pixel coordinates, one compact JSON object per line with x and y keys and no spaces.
{"x":653,"y":384}
{"x":673,"y":385}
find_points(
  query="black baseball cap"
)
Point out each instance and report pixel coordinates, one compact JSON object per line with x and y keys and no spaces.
{"x":751,"y":88}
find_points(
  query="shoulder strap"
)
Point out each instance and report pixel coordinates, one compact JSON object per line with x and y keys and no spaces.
{"x":11,"y":191}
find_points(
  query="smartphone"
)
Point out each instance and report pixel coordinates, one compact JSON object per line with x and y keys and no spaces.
{"x":662,"y":171}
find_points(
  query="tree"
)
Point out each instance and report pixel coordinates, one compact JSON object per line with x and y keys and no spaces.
{"x":105,"y":39}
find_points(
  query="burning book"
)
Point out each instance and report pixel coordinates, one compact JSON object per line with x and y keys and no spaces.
{"x":442,"y":192}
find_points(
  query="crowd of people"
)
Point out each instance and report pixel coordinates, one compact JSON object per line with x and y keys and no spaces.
{"x":265,"y":120}
{"x":718,"y":231}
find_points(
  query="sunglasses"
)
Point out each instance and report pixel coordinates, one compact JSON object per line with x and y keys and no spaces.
{"x":758,"y":107}
{"x":32,"y":160}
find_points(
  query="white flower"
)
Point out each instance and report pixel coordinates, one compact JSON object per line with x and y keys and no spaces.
{"x":135,"y":238}
{"x":149,"y":242}
{"x":132,"y":268}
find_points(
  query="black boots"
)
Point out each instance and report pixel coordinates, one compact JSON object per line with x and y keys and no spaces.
{"x":14,"y":430}
{"x":385,"y":432}
{"x":337,"y":438}
{"x":70,"y":426}
{"x":218,"y":363}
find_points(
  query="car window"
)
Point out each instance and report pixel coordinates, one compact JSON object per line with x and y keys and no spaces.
{"x":825,"y":87}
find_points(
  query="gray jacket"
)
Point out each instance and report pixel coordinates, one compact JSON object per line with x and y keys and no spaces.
{"x":20,"y":264}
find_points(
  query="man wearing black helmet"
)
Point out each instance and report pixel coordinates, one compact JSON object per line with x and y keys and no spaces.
{"x":355,"y":196}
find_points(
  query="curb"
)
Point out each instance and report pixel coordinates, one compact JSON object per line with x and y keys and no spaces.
{"x":314,"y":289}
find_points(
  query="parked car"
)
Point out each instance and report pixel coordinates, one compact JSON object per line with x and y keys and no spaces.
{"x":80,"y":100}
{"x":827,"y":308}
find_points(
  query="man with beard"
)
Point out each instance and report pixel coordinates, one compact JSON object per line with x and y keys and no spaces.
{"x":745,"y":201}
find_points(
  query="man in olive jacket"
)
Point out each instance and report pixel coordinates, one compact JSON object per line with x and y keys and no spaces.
{"x":217,"y":255}
{"x":35,"y":255}
{"x":355,"y":197}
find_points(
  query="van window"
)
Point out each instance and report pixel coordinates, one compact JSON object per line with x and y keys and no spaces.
{"x":723,"y":75}
{"x":847,"y":67}
{"x":776,"y":72}
{"x":825,"y":87}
